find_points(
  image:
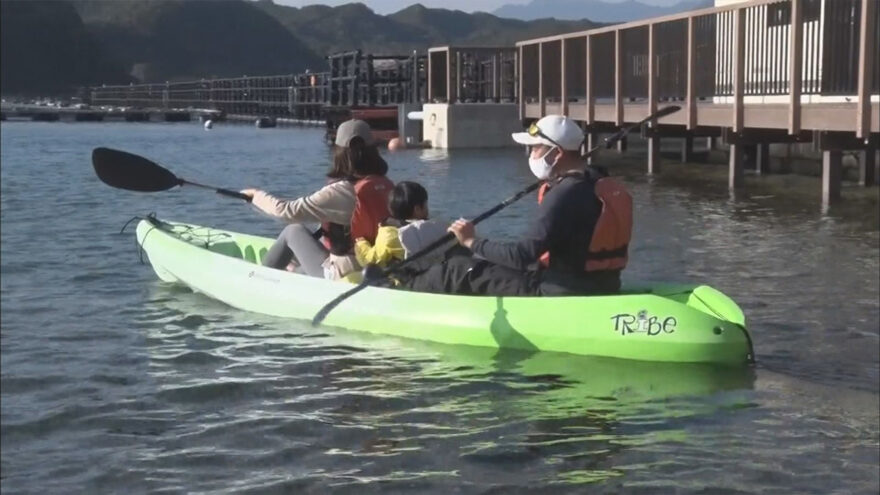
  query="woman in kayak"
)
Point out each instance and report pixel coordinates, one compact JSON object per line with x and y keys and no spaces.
{"x":406,"y":231}
{"x":350,"y":206}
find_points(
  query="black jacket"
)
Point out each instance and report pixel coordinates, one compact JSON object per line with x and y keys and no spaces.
{"x":564,"y":226}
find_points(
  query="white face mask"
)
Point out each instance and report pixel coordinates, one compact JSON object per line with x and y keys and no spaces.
{"x":540,"y":167}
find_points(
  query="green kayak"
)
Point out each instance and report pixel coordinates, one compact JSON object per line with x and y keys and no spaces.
{"x":651,"y":322}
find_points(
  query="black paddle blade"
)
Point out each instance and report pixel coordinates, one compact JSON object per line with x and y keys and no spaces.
{"x":319,"y":317}
{"x":125,"y":170}
{"x":372,"y":274}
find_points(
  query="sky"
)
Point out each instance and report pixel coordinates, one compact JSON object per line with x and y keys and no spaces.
{"x":390,"y":6}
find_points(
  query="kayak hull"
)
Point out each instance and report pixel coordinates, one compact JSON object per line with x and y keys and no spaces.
{"x":658,"y":322}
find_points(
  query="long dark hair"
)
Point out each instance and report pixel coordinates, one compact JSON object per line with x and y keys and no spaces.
{"x":357,"y":160}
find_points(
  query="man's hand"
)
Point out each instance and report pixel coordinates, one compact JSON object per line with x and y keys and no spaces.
{"x":463,"y":231}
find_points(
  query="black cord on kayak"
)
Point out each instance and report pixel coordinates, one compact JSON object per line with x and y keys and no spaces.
{"x":132,"y":219}
{"x":140,"y":250}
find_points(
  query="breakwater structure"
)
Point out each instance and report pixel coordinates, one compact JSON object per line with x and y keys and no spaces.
{"x":379,"y":89}
{"x":354,"y":85}
{"x":85,"y":113}
{"x":466,"y":83}
{"x":752,"y":73}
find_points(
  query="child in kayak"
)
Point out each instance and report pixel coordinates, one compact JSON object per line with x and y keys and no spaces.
{"x":406,"y":231}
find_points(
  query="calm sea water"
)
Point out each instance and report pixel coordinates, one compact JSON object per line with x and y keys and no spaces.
{"x":114,"y":382}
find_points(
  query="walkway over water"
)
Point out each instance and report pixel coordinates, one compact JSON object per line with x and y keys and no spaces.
{"x":756,"y":72}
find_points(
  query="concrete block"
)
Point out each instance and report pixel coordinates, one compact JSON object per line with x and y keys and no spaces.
{"x":470,"y":125}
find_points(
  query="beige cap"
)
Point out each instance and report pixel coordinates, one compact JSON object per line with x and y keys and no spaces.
{"x":351,"y":129}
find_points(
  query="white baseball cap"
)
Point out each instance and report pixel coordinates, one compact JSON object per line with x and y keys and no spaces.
{"x":552,"y":130}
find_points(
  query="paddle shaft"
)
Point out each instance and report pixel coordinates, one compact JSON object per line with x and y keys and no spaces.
{"x":218,"y":190}
{"x":449,"y":235}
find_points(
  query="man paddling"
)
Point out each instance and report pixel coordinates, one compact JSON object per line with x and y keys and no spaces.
{"x":577,"y":244}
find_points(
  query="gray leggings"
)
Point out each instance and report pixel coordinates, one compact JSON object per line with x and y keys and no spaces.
{"x":296,"y":243}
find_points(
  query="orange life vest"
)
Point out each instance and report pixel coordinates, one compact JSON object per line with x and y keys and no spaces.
{"x":370,"y":208}
{"x":609,"y":245}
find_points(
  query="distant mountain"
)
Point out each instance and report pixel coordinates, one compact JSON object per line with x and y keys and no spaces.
{"x":356,"y":26}
{"x":347,"y":27}
{"x":457,"y":27}
{"x":161,"y":40}
{"x":54,"y":44}
{"x":596,"y":10}
{"x":46,"y":50}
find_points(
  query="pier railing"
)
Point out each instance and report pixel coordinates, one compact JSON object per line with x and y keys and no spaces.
{"x":783,"y":64}
{"x":354,"y":80}
{"x":290,"y":95}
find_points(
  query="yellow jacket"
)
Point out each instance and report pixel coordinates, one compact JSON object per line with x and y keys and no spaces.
{"x":386,"y":248}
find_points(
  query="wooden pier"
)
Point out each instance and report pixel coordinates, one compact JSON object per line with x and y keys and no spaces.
{"x":752,"y":73}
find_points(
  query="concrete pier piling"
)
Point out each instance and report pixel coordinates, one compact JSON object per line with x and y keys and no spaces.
{"x":735,"y":173}
{"x":831,"y":164}
{"x":868,"y":167}
{"x":654,"y":155}
{"x":687,"y":149}
{"x":762,"y":159}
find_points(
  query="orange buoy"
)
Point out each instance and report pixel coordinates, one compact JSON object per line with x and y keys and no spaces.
{"x":396,"y":144}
